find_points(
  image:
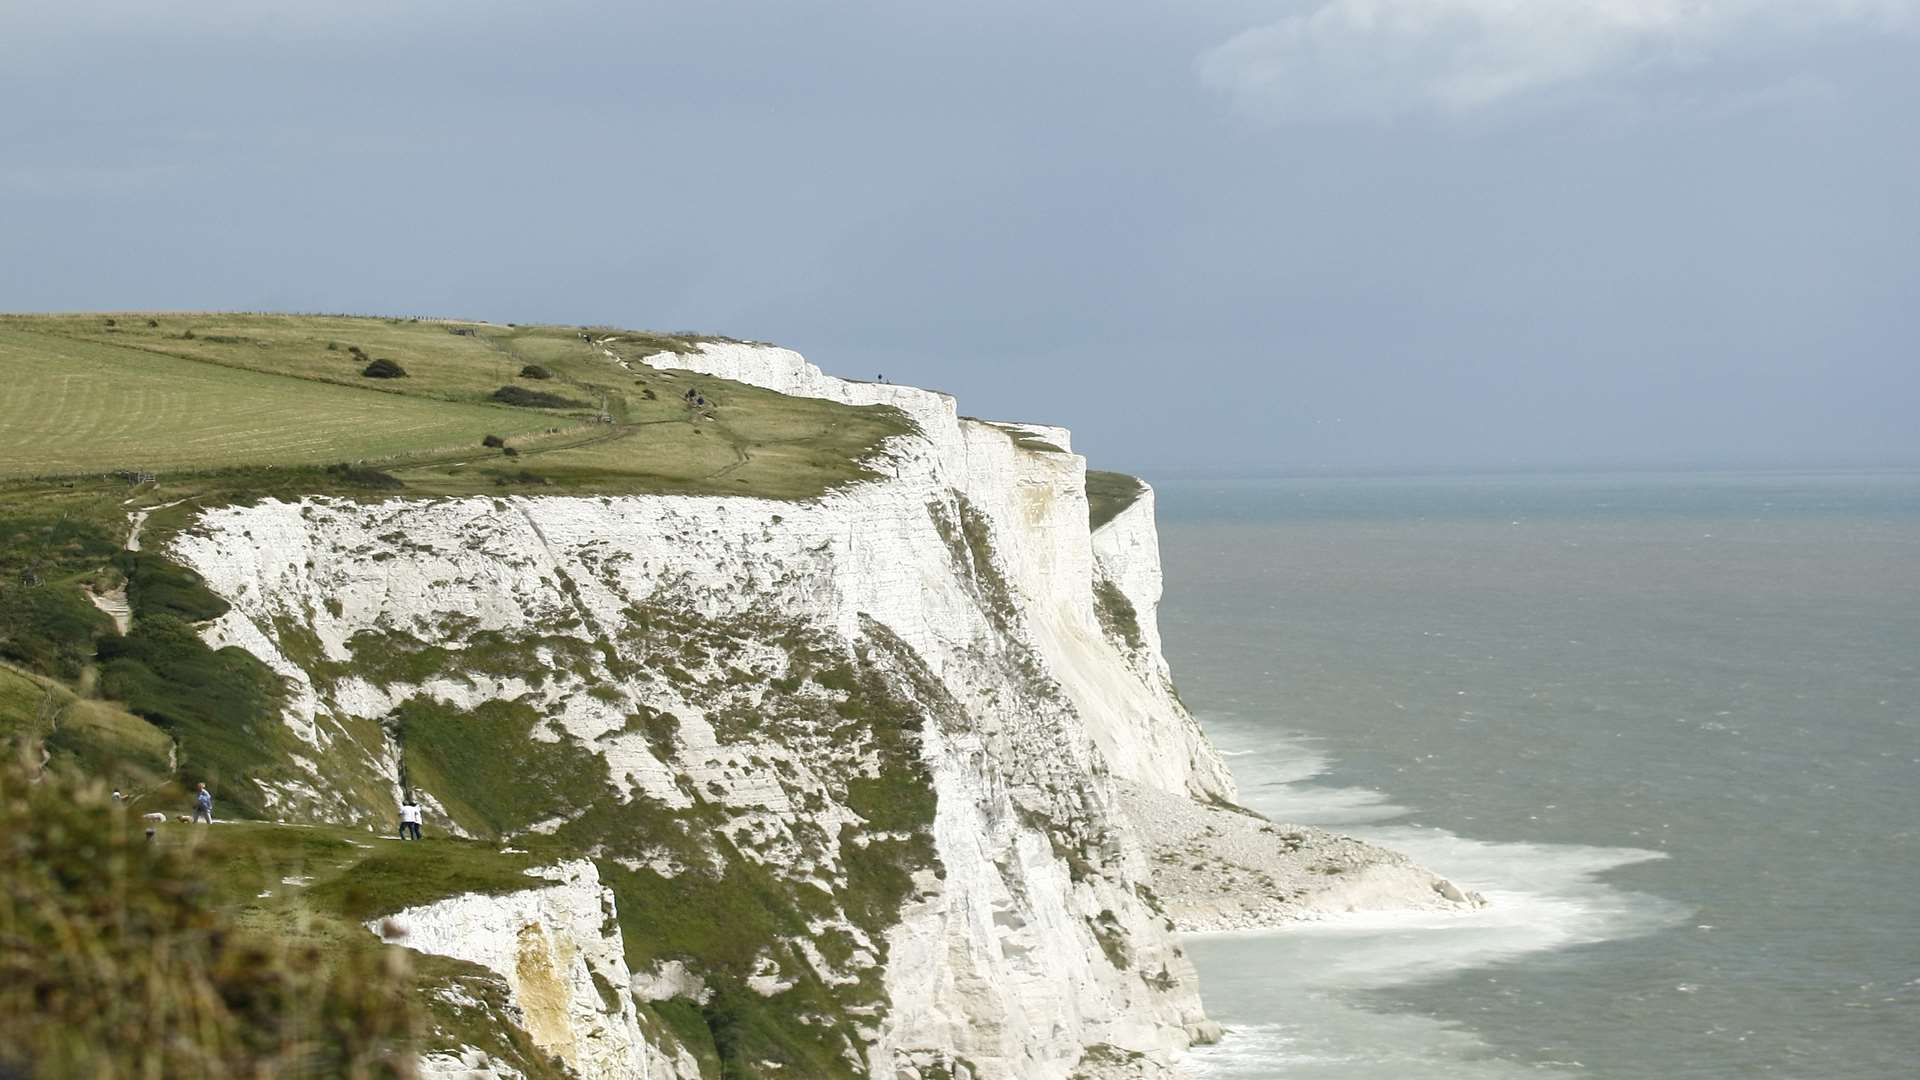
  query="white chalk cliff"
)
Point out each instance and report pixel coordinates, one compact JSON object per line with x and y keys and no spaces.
{"x":964,"y":577}
{"x":563,"y":961}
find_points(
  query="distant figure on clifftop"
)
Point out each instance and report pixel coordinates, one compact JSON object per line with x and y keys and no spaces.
{"x":409,"y":819}
{"x":203,"y":806}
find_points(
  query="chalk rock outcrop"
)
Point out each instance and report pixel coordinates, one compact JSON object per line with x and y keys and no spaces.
{"x":1225,"y":868}
{"x":558,"y":947}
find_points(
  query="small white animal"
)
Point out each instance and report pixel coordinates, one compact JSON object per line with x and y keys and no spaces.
{"x":155,"y":816}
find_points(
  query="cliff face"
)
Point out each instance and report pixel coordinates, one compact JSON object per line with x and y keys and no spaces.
{"x":1036,"y":501}
{"x":560,"y":953}
{"x":898,"y":718}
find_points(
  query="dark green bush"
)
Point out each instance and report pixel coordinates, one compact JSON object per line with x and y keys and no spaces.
{"x":384,"y":368}
{"x":535,"y":371}
{"x":535,"y":399}
{"x":360,"y":476}
{"x":156,"y":586}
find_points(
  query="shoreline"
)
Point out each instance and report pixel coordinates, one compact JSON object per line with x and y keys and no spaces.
{"x":1221,"y":869}
{"x":1518,"y":900}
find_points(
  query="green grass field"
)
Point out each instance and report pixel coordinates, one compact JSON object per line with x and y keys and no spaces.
{"x":77,"y":407}
{"x":195,"y":394}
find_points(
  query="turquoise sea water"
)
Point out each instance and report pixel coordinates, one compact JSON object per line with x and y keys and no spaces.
{"x":1669,"y":723}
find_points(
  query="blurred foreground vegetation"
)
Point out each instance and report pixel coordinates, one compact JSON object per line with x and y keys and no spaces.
{"x":118,"y":959}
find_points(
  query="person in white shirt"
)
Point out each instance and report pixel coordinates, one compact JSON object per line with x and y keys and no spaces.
{"x":409,"y":819}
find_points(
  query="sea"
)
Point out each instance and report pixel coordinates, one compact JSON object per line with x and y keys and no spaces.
{"x":1667,"y":722}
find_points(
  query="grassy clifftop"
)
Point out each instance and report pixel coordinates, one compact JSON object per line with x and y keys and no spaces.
{"x":183,"y":395}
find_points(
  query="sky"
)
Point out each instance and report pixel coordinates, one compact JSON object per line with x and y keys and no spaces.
{"x":1264,"y":234}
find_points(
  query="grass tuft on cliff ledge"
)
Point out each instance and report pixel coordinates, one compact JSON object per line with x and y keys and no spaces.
{"x":1109,"y":493}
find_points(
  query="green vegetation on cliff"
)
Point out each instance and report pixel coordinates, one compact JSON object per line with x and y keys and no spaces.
{"x":95,"y":738}
{"x":488,"y":769}
{"x":1108,"y":493}
{"x":697,"y":884}
{"x":219,"y":709}
{"x":1117,"y":614}
{"x":49,"y":555}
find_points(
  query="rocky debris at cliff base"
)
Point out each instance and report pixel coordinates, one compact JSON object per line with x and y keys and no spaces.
{"x":1220,"y":868}
{"x":1104,"y":1062}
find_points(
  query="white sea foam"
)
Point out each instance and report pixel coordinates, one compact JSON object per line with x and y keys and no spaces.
{"x":1292,"y":999}
{"x":1274,"y":775}
{"x":1317,"y":804}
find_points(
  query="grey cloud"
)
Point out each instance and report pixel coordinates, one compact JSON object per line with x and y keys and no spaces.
{"x":1383,"y":58}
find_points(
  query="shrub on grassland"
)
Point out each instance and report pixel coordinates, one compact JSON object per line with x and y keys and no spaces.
{"x":535,"y":399}
{"x":361,"y":476}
